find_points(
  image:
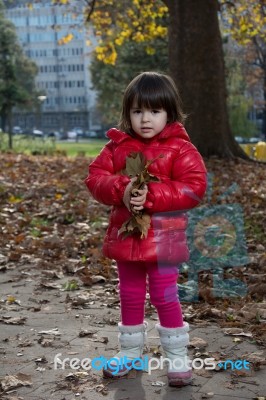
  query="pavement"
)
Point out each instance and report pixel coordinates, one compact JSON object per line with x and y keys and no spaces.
{"x":38,"y":322}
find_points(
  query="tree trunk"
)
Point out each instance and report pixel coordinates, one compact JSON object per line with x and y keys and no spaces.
{"x":263,"y":128}
{"x":197,"y":66}
{"x":3,"y":120}
{"x":9,"y":125}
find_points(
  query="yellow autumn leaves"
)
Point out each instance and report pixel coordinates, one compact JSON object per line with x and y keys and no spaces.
{"x":137,"y":20}
{"x":246,"y":20}
{"x":66,"y":39}
{"x":142,"y":21}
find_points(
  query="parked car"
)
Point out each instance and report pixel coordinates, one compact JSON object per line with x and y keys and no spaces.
{"x":93,"y":134}
{"x":71,"y":135}
{"x":247,"y":140}
{"x":254,"y":140}
{"x":239,"y":139}
{"x":78,"y":131}
{"x":37,"y":133}
{"x":17,"y":130}
{"x":55,"y":135}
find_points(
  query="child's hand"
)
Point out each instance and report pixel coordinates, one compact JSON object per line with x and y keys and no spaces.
{"x":136,"y":201}
{"x":139,"y":200}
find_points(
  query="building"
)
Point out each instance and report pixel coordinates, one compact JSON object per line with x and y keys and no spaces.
{"x":56,"y":39}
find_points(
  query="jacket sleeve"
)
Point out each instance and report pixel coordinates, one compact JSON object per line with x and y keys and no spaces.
{"x":186,"y":187}
{"x":104,"y":184}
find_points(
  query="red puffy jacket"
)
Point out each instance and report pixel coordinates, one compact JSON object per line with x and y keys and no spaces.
{"x":182,"y":184}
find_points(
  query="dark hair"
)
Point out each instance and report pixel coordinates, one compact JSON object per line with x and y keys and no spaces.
{"x":151,"y":90}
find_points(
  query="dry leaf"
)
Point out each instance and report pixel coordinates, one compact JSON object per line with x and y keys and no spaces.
{"x":198,"y":343}
{"x":15,"y":381}
{"x":53,"y":331}
{"x":257,"y":358}
{"x":139,"y":222}
{"x":158,"y":383}
{"x":13,"y":321}
{"x":50,"y":285}
{"x":98,"y":279}
{"x":84,"y":333}
{"x":236,"y":332}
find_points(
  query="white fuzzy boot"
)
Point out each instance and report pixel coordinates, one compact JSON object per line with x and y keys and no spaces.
{"x":174,"y":342}
{"x":131,"y":339}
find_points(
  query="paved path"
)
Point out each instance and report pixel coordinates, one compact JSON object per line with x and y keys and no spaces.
{"x":29,"y":355}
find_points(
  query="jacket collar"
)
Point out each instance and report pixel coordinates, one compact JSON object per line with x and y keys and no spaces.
{"x":176,"y":129}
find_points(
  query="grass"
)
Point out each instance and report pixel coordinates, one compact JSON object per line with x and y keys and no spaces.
{"x":90,"y":148}
{"x":27,"y":144}
{"x":31,"y":145}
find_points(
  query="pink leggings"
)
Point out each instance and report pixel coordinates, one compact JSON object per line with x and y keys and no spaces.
{"x":162,"y":288}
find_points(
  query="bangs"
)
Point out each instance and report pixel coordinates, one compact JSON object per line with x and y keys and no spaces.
{"x":149,"y":98}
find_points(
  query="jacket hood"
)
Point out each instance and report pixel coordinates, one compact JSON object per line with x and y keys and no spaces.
{"x":176,"y":129}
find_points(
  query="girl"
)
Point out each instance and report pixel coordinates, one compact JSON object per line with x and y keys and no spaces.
{"x":151,"y":123}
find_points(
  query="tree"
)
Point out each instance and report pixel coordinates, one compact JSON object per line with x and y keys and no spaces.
{"x":238,"y":102}
{"x":197,"y":66}
{"x":17,"y":73}
{"x":245,"y":21}
{"x":195,"y":58}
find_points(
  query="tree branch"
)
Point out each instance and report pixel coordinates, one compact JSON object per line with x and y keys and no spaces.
{"x":90,"y":8}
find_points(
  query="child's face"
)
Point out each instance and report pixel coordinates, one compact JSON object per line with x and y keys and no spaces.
{"x":147,"y":122}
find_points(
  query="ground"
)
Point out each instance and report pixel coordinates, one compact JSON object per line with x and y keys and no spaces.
{"x":54,"y":278}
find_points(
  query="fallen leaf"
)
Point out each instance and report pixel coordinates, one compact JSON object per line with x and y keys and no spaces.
{"x":50,"y":285}
{"x":53,"y":331}
{"x":236,"y":332}
{"x":257,"y":359}
{"x":15,"y":381}
{"x":84,"y":333}
{"x":98,"y":279}
{"x":158,"y":383}
{"x":13,"y":321}
{"x":197,"y":343}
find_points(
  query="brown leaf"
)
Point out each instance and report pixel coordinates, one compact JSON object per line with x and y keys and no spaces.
{"x":15,"y":381}
{"x":85,"y":276}
{"x":198,"y":343}
{"x":137,"y":166}
{"x":236,"y":332}
{"x":13,"y":321}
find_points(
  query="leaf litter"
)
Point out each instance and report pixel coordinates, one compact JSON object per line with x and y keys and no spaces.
{"x":52,"y":228}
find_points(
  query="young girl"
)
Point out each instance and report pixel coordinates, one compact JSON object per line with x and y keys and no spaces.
{"x":151,"y":123}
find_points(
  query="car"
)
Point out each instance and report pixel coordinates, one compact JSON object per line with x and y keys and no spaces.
{"x":55,"y":135}
{"x":37,"y":133}
{"x":239,"y":139}
{"x":254,"y":140}
{"x":247,"y":140}
{"x":92,"y":134}
{"x":78,"y":131}
{"x":71,"y":134}
{"x":17,"y":130}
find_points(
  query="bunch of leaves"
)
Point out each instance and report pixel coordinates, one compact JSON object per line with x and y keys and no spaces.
{"x":137,"y":166}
